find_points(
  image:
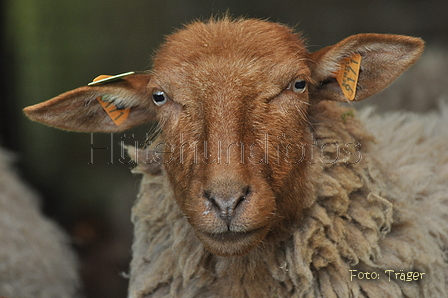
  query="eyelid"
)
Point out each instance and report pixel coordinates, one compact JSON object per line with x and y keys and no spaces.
{"x":290,"y":86}
{"x":154,"y":87}
{"x":159,"y":97}
{"x":302,"y":77}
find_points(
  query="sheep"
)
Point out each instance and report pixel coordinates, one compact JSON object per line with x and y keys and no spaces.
{"x":260,"y":184}
{"x":36,"y":259}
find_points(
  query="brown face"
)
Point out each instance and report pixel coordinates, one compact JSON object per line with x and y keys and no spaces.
{"x":233,"y":142}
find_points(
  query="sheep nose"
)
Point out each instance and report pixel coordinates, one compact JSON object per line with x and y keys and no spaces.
{"x":226,"y":202}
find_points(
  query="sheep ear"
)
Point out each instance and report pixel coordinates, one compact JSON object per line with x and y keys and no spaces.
{"x":383,"y":58}
{"x":110,"y":104}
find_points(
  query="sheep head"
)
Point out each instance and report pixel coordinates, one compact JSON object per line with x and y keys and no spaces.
{"x":229,"y":96}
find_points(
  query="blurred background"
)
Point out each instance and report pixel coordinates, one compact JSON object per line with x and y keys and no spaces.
{"x":51,"y":46}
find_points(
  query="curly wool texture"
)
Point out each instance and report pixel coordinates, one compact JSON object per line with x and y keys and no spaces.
{"x":35,"y":258}
{"x":386,"y":211}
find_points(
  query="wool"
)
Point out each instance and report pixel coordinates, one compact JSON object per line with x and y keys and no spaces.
{"x":35,"y":255}
{"x":386,"y":212}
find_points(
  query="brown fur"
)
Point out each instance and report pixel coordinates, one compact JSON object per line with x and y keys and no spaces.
{"x":263,"y":188}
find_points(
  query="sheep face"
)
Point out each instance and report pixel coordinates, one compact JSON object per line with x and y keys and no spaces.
{"x":232,"y":99}
{"x":228,"y":116}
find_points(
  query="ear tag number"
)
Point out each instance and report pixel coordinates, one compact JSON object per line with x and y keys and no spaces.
{"x":117,"y":114}
{"x":348,"y":75}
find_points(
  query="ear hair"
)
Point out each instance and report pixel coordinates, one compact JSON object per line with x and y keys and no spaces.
{"x":384,"y":58}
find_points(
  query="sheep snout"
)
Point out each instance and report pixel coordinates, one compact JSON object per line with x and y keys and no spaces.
{"x":231,"y":215}
{"x":227,"y":206}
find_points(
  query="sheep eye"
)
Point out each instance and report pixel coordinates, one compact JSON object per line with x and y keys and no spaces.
{"x":299,"y":86}
{"x":159,"y":97}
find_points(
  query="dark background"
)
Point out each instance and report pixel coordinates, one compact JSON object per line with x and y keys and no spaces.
{"x":52,"y":46}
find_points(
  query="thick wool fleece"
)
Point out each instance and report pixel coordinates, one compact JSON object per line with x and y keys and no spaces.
{"x":35,"y":258}
{"x":386,"y":209}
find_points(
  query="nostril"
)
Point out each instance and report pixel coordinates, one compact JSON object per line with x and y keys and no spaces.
{"x":246,"y":191}
{"x":207,"y":195}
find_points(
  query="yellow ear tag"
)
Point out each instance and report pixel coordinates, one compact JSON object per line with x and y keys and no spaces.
{"x":117,"y":114}
{"x":347,"y":76}
{"x":104,"y":79}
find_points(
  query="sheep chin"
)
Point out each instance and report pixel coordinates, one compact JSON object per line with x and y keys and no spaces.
{"x":233,"y":243}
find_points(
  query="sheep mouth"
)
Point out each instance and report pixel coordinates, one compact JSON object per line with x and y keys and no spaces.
{"x":234,"y":236}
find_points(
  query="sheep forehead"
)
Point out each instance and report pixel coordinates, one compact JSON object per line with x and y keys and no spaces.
{"x":231,"y":56}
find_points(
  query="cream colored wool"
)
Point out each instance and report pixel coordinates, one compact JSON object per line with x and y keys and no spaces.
{"x":35,"y":258}
{"x":389,"y":211}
